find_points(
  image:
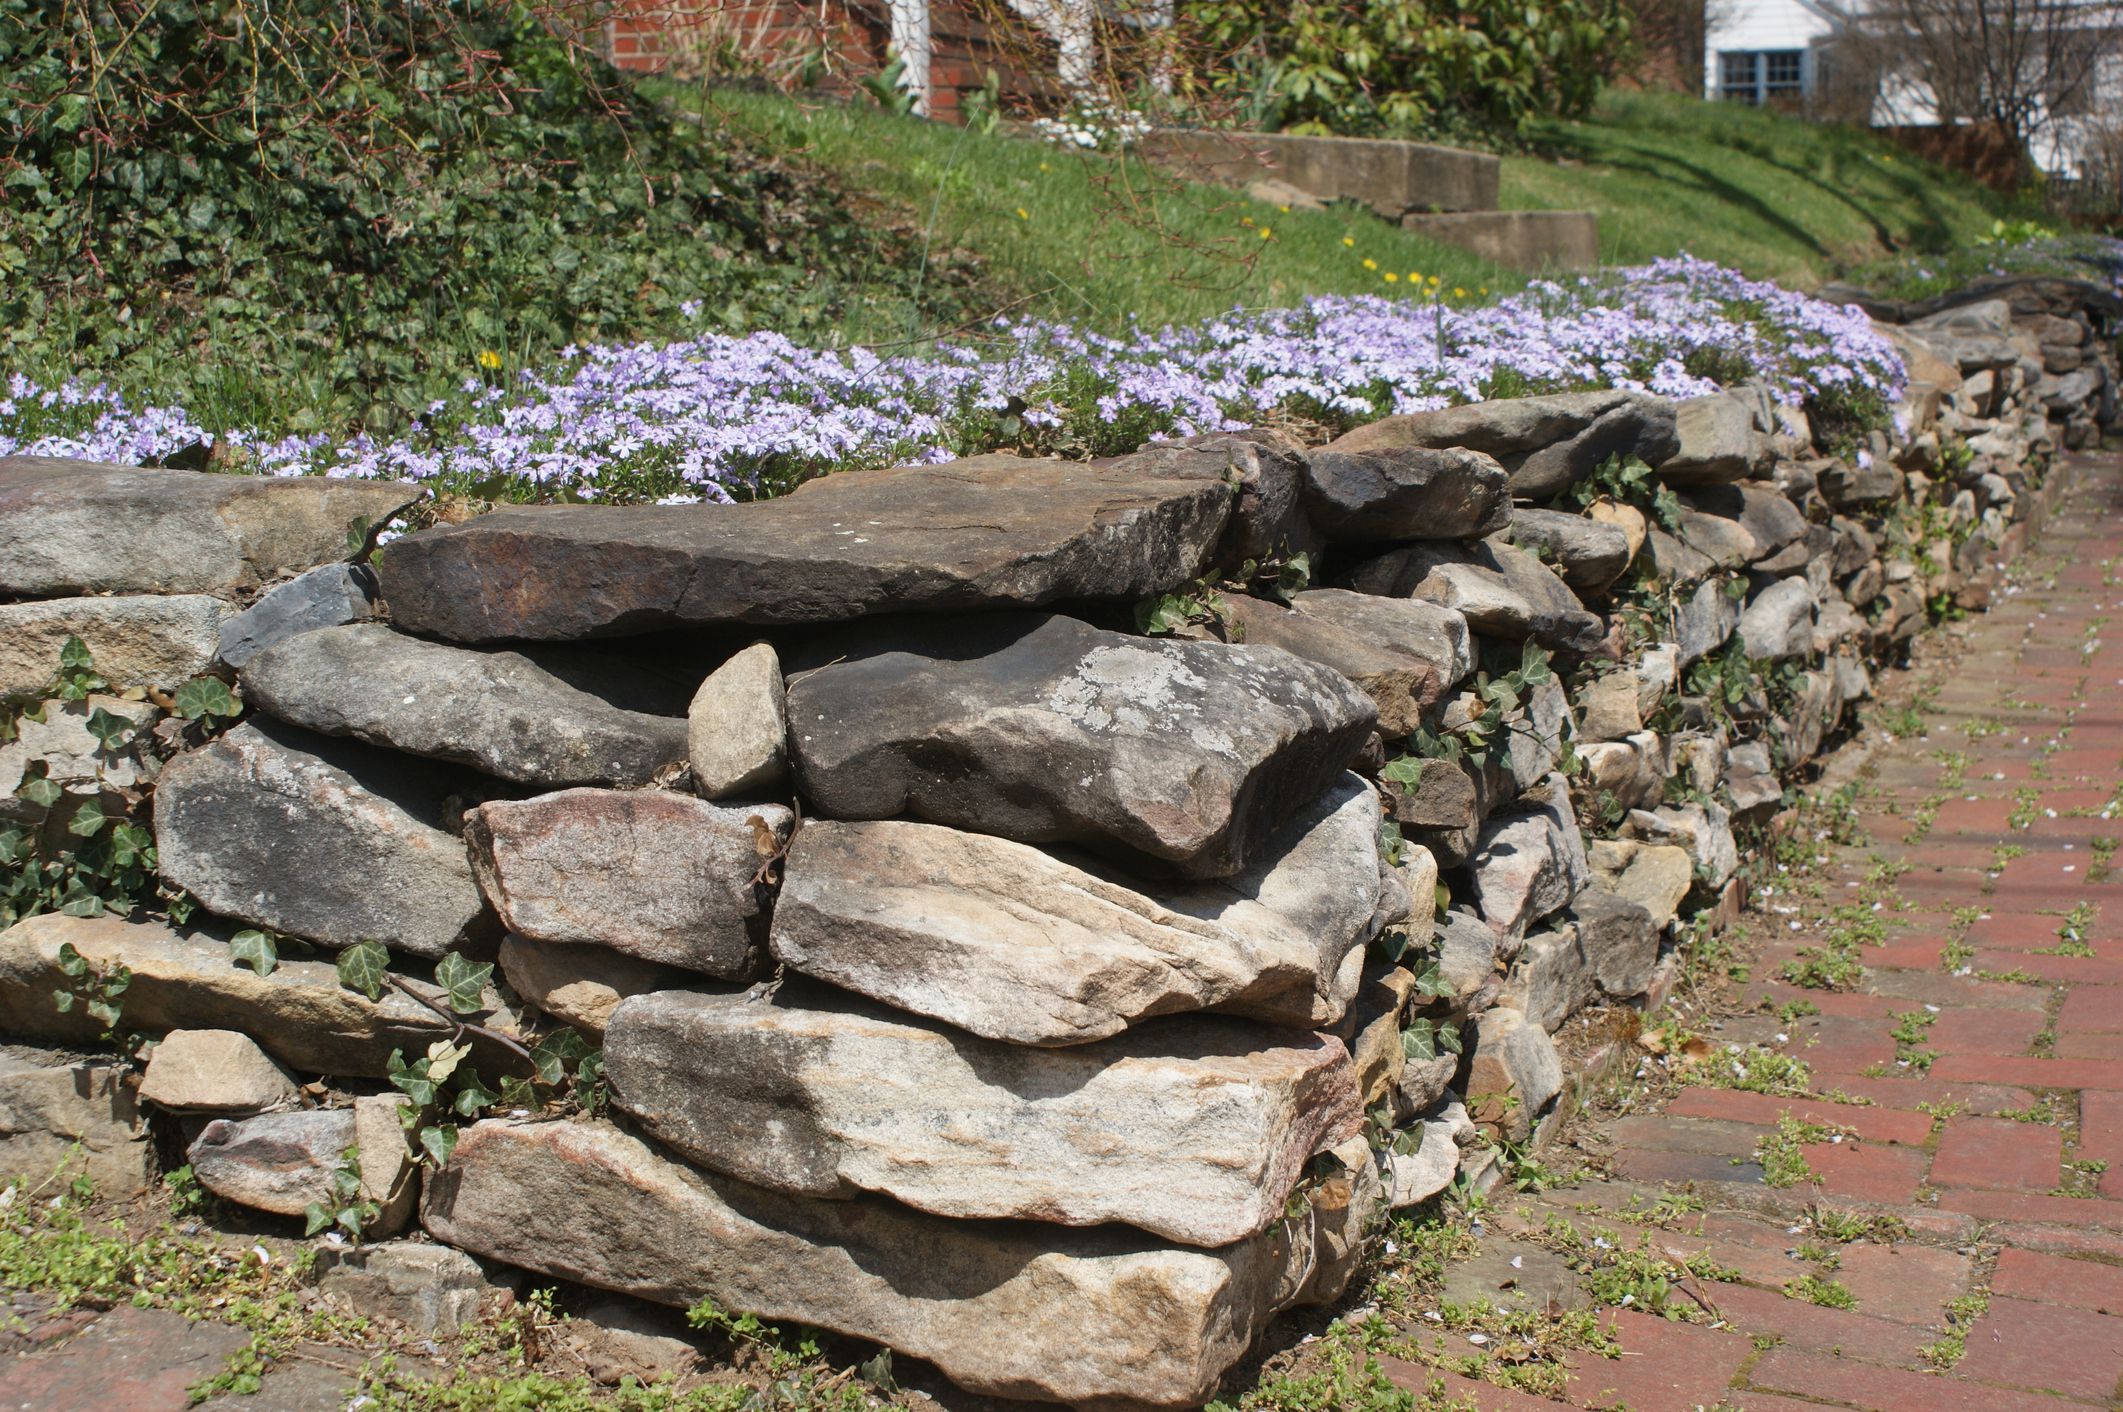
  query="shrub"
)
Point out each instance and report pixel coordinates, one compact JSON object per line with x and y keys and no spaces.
{"x":1371,"y":67}
{"x":388,"y":196}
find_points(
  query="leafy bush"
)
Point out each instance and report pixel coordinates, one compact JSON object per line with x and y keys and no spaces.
{"x":1371,"y":67}
{"x":378,"y":198}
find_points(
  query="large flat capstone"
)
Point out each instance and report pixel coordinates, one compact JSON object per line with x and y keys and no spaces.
{"x":70,"y":527}
{"x":1104,"y":1316}
{"x":1191,"y":1129}
{"x":1010,"y":942}
{"x":1044,"y":729}
{"x":322,"y":839}
{"x":993,"y":531}
{"x":499,"y":712}
{"x":652,"y":874}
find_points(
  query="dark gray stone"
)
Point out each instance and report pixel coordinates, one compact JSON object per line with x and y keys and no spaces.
{"x":498,"y":712}
{"x":321,"y":839}
{"x":325,"y":597}
{"x":1044,"y":729}
{"x":1704,"y":621}
{"x":1406,"y":493}
{"x":1723,"y":437}
{"x":72,"y":527}
{"x":993,"y":531}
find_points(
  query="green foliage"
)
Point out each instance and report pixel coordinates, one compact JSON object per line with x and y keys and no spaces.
{"x":84,"y":854}
{"x":255,"y":949}
{"x":347,"y":1210}
{"x":377,"y":199}
{"x":1753,"y":1070}
{"x":363,"y":967}
{"x":1817,"y":1289}
{"x":782,"y":1353}
{"x":1628,"y":480}
{"x":1404,"y":67}
{"x":99,"y":990}
{"x":206,"y":699}
{"x":1499,"y":711}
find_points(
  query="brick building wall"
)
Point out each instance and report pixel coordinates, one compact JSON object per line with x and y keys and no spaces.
{"x":849,"y":37}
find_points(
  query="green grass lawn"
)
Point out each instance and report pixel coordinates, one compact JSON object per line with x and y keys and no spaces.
{"x":1089,"y":238}
{"x":1780,"y":198}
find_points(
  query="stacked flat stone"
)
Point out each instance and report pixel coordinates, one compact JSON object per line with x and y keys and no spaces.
{"x":975,"y":974}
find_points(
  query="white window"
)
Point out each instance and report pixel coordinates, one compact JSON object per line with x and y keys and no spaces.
{"x":1761,"y":75}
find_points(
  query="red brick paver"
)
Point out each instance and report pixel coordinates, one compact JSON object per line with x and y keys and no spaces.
{"x":1975,"y":1075}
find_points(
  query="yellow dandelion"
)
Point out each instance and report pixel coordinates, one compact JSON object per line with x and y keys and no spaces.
{"x":1267,"y":232}
{"x":1433,"y":281}
{"x":1391,"y":277}
{"x":1023,"y":214}
{"x":1045,"y":168}
{"x":489,"y":359}
{"x":1369,"y":263}
{"x":1485,"y":289}
{"x":1284,"y":209}
{"x":1458,"y":293}
{"x":1349,"y":240}
{"x":1415,"y":276}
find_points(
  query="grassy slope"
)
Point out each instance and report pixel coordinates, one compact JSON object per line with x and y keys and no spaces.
{"x":1782,"y":199}
{"x":1774,"y":196}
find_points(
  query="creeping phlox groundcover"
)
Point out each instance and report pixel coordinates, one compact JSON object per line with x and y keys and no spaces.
{"x":718,"y":417}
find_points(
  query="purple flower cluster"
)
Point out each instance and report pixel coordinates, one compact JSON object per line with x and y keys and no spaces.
{"x":717,"y":417}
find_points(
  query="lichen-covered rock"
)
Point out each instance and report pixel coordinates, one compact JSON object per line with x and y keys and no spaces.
{"x":75,"y":758}
{"x":497,"y":712}
{"x":1778,"y":621}
{"x":1043,"y":729}
{"x":1192,"y":1129}
{"x":1655,"y":877}
{"x":326,"y":840}
{"x":1106,"y":1315}
{"x":69,"y":527}
{"x":658,"y":876}
{"x":1550,"y":979}
{"x":1619,"y":939}
{"x":1015,"y":944}
{"x":1703,"y":830}
{"x":135,"y":642}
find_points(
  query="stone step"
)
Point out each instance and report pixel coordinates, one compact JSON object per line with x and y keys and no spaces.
{"x":1393,"y":178}
{"x":1519,"y":240}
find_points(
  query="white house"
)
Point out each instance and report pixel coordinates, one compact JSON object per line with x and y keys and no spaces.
{"x":1759,"y":50}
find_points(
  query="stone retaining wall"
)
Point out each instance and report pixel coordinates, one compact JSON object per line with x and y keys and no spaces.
{"x":1028,"y":922}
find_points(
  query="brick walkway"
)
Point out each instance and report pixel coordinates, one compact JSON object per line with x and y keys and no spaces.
{"x":1984,"y":1047}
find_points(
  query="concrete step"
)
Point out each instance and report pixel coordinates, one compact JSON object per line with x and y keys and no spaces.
{"x":1393,"y":178}
{"x":1520,"y":240}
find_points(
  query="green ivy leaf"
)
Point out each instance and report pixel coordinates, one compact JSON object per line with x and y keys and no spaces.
{"x":362,"y":967}
{"x":108,"y":729}
{"x":315,"y":1217}
{"x":254,"y":949}
{"x":438,"y":1143}
{"x":464,"y":980}
{"x":74,"y":656}
{"x":40,"y":792}
{"x":473,"y":1097}
{"x":88,"y":820}
{"x":203,"y":697}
